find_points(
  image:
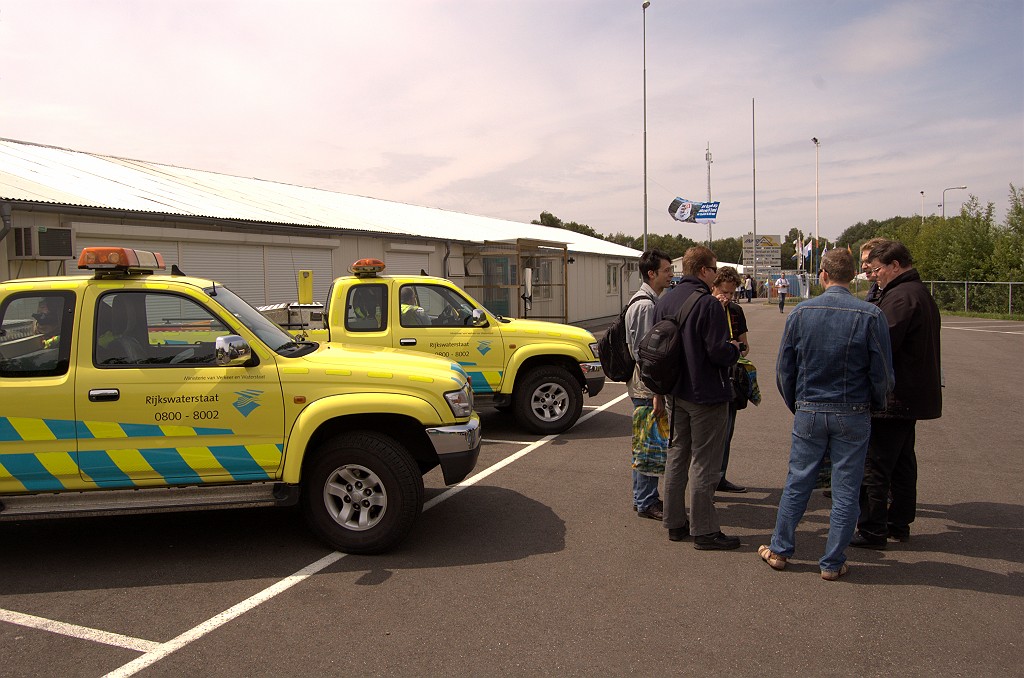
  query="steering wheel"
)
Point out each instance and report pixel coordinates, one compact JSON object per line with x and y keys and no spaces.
{"x":449,"y":315}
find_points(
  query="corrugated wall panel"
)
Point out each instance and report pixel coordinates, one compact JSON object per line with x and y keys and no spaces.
{"x":283,"y":265}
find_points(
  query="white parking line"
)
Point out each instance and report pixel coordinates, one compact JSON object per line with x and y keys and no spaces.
{"x":162,"y":650}
{"x":978,"y":329}
{"x":495,"y":441}
{"x":76,"y":631}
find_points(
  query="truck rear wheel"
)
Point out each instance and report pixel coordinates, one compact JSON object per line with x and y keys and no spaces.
{"x":362,"y":493}
{"x":549,"y":400}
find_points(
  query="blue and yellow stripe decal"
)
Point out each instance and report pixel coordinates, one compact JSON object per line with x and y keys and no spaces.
{"x":484,"y":381}
{"x":127,"y":465}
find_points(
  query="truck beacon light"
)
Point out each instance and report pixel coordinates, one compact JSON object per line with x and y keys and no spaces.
{"x":122,"y":259}
{"x":366,"y":268}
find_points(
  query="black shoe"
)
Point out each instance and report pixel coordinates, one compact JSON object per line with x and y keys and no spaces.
{"x":716,"y":541}
{"x":862,"y":542}
{"x":897,"y":533}
{"x":725,"y":486}
{"x":653,"y":512}
{"x":679,"y":533}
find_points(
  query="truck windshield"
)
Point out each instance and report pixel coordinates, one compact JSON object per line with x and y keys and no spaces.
{"x":271,"y":334}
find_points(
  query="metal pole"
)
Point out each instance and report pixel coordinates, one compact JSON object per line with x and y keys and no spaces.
{"x":922,"y":208}
{"x":814,"y":254}
{"x":645,"y":6}
{"x":753,"y":174}
{"x":951,"y":188}
{"x":707,"y":156}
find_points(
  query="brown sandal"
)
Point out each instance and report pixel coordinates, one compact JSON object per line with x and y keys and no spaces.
{"x":774,"y":560}
{"x":832,"y":575}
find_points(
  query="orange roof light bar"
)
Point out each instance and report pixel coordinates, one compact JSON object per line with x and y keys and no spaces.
{"x":120,"y":259}
{"x":366,"y":268}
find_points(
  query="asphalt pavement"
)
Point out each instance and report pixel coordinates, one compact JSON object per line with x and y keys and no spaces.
{"x":538,"y":565}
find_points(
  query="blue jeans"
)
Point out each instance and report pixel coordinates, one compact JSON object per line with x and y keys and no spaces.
{"x":844,"y":433}
{"x":645,"y":488}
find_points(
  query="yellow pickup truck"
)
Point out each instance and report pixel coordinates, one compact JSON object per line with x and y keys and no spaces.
{"x":538,"y":370}
{"x":128,"y":390}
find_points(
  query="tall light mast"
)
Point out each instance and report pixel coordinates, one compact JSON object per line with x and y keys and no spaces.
{"x":707,"y":156}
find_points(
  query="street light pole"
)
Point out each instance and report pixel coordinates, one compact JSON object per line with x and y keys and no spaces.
{"x":951,"y":188}
{"x":922,"y":208}
{"x":646,"y":4}
{"x":817,"y":145}
{"x":707,"y":157}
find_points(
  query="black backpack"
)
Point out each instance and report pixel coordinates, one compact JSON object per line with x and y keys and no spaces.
{"x":613,"y":351}
{"x":661,"y":349}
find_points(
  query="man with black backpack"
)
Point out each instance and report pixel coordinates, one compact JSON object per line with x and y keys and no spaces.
{"x":656,"y":273}
{"x":699,"y":406}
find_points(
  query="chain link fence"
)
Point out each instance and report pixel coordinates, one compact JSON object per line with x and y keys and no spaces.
{"x":978,"y":297}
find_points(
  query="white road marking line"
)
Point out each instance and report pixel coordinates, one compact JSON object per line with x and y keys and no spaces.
{"x":164,"y":649}
{"x":507,"y":442}
{"x":975,"y":329}
{"x":76,"y":631}
{"x":452,"y":491}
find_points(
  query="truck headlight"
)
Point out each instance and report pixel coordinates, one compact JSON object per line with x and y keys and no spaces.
{"x":593,"y":349}
{"x":461,"y":401}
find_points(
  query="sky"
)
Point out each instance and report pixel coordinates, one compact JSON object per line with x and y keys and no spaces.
{"x":508,"y":108}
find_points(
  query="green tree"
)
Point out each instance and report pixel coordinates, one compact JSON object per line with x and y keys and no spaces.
{"x":1008,"y":250}
{"x":549,"y":219}
{"x":728,"y":249}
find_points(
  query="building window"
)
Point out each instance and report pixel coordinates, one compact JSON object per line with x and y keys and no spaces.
{"x":542,"y":281}
{"x":612,"y":278}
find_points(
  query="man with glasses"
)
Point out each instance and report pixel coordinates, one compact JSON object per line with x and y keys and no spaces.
{"x":865,"y":250}
{"x":888,"y":497}
{"x":699,"y":406}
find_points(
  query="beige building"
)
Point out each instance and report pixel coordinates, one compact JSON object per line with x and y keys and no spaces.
{"x":254,"y":235}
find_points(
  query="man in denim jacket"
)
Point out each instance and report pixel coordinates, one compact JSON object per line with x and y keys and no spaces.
{"x":834,"y":364}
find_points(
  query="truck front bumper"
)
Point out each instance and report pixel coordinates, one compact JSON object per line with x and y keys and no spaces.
{"x":593,"y":375}
{"x":457,"y":448}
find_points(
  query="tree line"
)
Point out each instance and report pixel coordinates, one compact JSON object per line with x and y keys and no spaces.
{"x":969,"y":246}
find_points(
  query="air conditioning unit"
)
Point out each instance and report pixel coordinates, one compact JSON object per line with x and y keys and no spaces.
{"x":44,"y":242}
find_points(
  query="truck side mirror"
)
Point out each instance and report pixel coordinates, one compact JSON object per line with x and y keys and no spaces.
{"x":233,"y":351}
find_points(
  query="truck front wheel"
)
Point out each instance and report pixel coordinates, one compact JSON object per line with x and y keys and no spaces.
{"x":549,"y":400}
{"x":362,"y":493}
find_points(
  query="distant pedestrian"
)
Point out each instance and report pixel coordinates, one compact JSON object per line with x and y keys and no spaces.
{"x":782,"y":287}
{"x":748,"y":288}
{"x":834,"y":364}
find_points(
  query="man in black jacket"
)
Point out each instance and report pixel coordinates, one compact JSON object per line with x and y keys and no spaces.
{"x":891,"y":468}
{"x":699,"y":406}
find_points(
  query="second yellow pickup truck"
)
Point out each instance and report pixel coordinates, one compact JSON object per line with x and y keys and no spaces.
{"x":537,"y":370}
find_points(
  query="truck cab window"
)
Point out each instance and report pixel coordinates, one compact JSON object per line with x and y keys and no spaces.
{"x":35,"y":334}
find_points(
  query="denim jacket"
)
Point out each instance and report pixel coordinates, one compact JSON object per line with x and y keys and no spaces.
{"x":835,"y":355}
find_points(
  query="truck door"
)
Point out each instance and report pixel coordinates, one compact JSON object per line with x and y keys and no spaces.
{"x":154,"y":406}
{"x":438,"y":319}
{"x":37,"y":386}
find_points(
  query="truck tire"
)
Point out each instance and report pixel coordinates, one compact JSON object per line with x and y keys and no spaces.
{"x":362,"y":493}
{"x":549,"y":400}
